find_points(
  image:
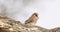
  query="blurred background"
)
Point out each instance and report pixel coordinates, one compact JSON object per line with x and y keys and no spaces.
{"x":21,"y":10}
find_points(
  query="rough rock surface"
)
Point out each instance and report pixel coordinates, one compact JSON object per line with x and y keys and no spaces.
{"x":9,"y":25}
{"x":57,"y":29}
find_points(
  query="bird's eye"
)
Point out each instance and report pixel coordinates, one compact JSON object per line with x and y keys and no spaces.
{"x":36,"y":15}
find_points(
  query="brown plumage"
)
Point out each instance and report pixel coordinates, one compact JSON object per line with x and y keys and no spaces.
{"x":32,"y":20}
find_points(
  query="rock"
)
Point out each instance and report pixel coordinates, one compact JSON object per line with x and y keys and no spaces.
{"x":57,"y":29}
{"x":9,"y":25}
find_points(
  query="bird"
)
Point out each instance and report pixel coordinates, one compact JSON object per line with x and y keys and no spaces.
{"x":32,"y":20}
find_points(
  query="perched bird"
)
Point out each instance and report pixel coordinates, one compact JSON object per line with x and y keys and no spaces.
{"x":32,"y":20}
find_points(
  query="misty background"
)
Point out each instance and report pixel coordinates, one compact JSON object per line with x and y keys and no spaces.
{"x":21,"y":10}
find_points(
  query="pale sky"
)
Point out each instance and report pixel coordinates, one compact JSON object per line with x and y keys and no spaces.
{"x":48,"y":10}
